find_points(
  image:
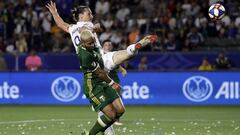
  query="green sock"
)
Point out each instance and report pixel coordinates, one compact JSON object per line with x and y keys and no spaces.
{"x":96,"y":129}
{"x":101,"y":125}
{"x":119,"y":115}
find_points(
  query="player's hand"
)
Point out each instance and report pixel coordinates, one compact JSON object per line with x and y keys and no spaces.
{"x":124,"y":72}
{"x":97,"y":27}
{"x":52,"y":7}
{"x":116,"y":86}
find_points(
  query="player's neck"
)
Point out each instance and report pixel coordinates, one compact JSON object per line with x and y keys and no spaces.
{"x":84,"y":21}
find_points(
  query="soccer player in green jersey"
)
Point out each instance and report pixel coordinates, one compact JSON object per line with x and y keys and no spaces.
{"x":98,"y":87}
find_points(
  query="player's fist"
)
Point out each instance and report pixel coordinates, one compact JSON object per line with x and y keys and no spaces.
{"x":116,"y":86}
{"x":97,"y":27}
{"x":124,"y":72}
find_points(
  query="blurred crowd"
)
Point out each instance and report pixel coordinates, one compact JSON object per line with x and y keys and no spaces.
{"x":182,"y":25}
{"x":222,"y":62}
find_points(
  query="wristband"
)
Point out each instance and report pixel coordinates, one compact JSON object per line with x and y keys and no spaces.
{"x":111,"y":83}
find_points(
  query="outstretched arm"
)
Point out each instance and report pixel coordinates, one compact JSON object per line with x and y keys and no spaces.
{"x":59,"y":21}
{"x":122,"y":70}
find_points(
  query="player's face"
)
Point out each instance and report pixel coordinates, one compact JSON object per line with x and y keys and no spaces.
{"x":107,"y":47}
{"x":87,"y":15}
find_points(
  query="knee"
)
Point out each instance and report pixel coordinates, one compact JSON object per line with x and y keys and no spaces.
{"x":112,"y":115}
{"x":121,"y":110}
{"x":115,"y":113}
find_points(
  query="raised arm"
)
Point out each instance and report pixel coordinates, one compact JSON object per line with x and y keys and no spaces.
{"x":58,"y":20}
{"x":122,"y":70}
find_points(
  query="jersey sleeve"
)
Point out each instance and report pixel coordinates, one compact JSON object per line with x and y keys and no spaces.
{"x":70,"y":28}
{"x":89,"y":64}
{"x":88,"y":25}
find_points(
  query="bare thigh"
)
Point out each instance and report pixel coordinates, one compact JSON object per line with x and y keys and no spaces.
{"x":120,"y":56}
{"x":118,"y":105}
{"x":110,"y":111}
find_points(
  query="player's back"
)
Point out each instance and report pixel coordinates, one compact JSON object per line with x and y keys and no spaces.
{"x":74,"y":32}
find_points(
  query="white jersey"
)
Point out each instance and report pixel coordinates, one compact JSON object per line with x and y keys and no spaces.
{"x":74,"y":31}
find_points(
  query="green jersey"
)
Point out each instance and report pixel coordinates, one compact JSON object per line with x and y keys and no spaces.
{"x":96,"y":90}
{"x":90,"y":60}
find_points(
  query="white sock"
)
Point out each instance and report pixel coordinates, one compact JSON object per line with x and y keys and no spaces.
{"x":131,"y":50}
{"x":100,"y":113}
{"x":109,"y":130}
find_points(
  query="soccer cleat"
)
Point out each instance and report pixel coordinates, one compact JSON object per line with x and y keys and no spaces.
{"x":146,"y":40}
{"x":117,"y":123}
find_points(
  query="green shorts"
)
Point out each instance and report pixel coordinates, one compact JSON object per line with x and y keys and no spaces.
{"x":100,"y":95}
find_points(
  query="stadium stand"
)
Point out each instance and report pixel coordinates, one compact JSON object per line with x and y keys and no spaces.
{"x":27,"y":25}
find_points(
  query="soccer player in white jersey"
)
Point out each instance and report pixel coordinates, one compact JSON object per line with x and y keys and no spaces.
{"x":83,"y":16}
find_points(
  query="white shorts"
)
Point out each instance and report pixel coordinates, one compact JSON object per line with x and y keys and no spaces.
{"x":108,"y":61}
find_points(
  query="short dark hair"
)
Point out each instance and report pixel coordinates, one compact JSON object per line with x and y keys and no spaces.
{"x":78,"y":10}
{"x":107,"y":40}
